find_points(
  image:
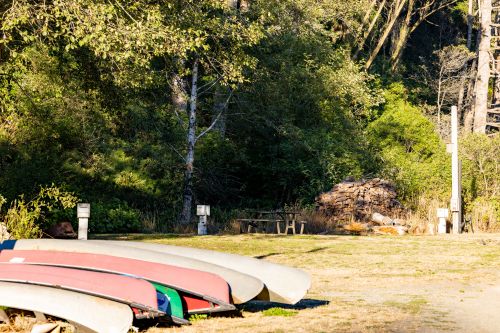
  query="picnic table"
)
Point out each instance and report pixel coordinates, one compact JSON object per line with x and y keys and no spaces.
{"x":262,"y":218}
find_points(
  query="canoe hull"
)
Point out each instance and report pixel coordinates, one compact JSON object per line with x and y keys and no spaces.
{"x":283,"y":284}
{"x":243,"y":287}
{"x":135,"y":293}
{"x":210,"y":296}
{"x":93,"y":313}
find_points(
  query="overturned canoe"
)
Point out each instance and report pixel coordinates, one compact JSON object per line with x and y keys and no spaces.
{"x":136,"y":293}
{"x":243,"y":287}
{"x":202,"y":292}
{"x":93,"y":313}
{"x":282,"y":283}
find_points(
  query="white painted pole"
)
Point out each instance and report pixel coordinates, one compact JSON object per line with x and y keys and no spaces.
{"x":203,"y":211}
{"x":83,"y":214}
{"x":455,"y":174}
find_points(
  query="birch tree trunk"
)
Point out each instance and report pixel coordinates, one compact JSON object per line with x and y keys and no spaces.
{"x":400,"y":4}
{"x":483,"y":70}
{"x":187,"y":203}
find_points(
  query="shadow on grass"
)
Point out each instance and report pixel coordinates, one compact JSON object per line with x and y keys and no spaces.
{"x":267,"y":255}
{"x":317,"y":249}
{"x":307,"y":303}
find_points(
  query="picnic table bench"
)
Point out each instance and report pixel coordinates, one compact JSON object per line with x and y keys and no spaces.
{"x":276,"y":218}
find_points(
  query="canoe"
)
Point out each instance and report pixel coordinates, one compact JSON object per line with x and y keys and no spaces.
{"x":136,"y":293}
{"x":243,"y":287}
{"x":93,"y":313}
{"x":202,"y":292}
{"x":283,"y":284}
{"x":174,"y":309}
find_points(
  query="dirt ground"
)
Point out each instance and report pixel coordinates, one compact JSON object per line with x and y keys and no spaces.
{"x":367,"y":283}
{"x":370,"y":284}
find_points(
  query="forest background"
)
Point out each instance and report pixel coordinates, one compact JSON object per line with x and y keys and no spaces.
{"x":145,"y":108}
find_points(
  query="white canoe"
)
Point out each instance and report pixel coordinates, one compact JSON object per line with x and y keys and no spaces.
{"x":92,"y":313}
{"x":282,"y":283}
{"x":243,"y":286}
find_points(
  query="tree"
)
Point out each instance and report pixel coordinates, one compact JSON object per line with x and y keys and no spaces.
{"x":130,"y":38}
{"x":451,"y":70}
{"x":404,"y":17}
{"x":483,"y":70}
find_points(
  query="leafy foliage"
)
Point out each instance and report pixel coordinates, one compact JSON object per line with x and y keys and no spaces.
{"x":24,"y":219}
{"x":86,"y":100}
{"x":412,"y":153}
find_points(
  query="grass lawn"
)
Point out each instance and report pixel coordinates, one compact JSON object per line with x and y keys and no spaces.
{"x":363,"y":283}
{"x":367,"y":283}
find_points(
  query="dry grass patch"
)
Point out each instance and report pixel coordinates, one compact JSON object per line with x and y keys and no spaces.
{"x":362,"y":283}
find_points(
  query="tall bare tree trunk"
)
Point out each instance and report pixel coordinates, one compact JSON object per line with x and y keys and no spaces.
{"x":471,"y":98}
{"x":402,"y":37}
{"x":495,"y":100}
{"x":367,"y":33}
{"x":495,"y":66}
{"x":461,"y":93}
{"x":367,"y":16}
{"x":187,"y":203}
{"x":400,"y":4}
{"x":470,"y":21}
{"x":483,"y":69}
{"x":471,"y":89}
{"x":220,"y":110}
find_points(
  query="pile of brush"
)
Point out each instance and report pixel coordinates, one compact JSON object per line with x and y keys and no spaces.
{"x":357,"y":200}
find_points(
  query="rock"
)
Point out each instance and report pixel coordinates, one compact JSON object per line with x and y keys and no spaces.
{"x":63,"y":230}
{"x":430,"y":229}
{"x":390,"y":230}
{"x":4,"y":234}
{"x":4,"y":317}
{"x":356,"y":227}
{"x":44,"y":328}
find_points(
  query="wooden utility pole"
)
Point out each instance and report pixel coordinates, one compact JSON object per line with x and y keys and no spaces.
{"x":456,"y":195}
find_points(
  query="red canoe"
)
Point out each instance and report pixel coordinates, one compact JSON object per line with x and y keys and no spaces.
{"x":137,"y":293}
{"x":201,"y":291}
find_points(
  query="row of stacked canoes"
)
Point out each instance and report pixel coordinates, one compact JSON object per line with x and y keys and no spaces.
{"x":102,"y":286}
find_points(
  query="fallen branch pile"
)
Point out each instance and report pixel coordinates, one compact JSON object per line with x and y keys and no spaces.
{"x":370,"y":201}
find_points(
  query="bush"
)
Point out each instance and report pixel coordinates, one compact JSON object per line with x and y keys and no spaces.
{"x":114,"y":217}
{"x":26,"y":219}
{"x":485,"y":213}
{"x":411,"y":151}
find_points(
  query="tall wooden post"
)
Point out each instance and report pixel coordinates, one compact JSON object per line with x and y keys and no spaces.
{"x":456,"y":196}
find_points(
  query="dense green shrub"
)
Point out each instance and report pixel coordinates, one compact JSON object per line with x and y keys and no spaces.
{"x":480,"y":157}
{"x":411,"y":151}
{"x":114,"y":217}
